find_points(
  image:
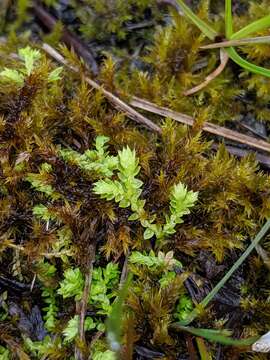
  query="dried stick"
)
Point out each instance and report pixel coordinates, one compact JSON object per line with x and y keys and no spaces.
{"x":118,"y":103}
{"x":83,"y":308}
{"x":85,"y":296}
{"x":89,"y":240}
{"x":223,"y":62}
{"x":124,"y":271}
{"x":70,"y":39}
{"x":240,"y":42}
{"x":209,"y":127}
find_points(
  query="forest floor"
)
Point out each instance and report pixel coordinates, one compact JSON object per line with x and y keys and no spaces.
{"x":134,"y":180}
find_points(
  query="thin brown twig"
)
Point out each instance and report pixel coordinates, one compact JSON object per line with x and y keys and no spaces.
{"x":85,"y":296}
{"x":240,"y":42}
{"x":118,"y":103}
{"x":91,"y":251}
{"x":223,"y":62}
{"x":209,"y":127}
{"x":124,"y":271}
{"x":81,"y":50}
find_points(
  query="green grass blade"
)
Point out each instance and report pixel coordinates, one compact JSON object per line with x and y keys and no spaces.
{"x":114,"y":321}
{"x":246,"y":64}
{"x":203,"y":351}
{"x":218,"y":336}
{"x":228,"y":19}
{"x":255,"y":26}
{"x":206,"y":29}
{"x":235,"y":266}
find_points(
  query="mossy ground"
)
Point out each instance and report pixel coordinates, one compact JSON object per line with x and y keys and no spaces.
{"x":157,"y":62}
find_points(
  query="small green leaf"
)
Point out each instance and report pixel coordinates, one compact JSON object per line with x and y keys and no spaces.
{"x":109,"y":189}
{"x":55,"y":74}
{"x":114,"y":321}
{"x":100,"y":143}
{"x":30,"y":56}
{"x":166,"y":279}
{"x":151,"y":260}
{"x":246,"y":64}
{"x":219,"y":336}
{"x":104,"y":355}
{"x":42,"y":212}
{"x":12,"y":75}
{"x":128,"y":162}
{"x":72,"y":285}
{"x":255,"y":26}
{"x":184,"y":308}
{"x":72,"y":329}
{"x":206,"y":29}
{"x":228,"y":19}
{"x":89,"y":324}
{"x":133,"y":217}
{"x":4,"y":353}
{"x":148,"y":234}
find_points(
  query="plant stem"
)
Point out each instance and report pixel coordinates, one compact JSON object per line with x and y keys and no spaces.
{"x":241,"y":42}
{"x":228,"y":18}
{"x":235,"y":266}
{"x":206,"y":29}
{"x":246,"y":64}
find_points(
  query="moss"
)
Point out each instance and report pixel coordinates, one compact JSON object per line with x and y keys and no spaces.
{"x":40,"y":117}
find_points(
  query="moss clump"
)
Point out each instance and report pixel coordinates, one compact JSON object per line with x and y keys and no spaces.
{"x":102,"y":19}
{"x":53,"y":224}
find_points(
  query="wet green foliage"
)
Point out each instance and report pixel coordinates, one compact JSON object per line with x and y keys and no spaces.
{"x":52,"y":214}
{"x":101,"y":19}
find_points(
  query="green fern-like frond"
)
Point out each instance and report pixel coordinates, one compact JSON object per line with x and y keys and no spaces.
{"x":181,"y":200}
{"x":12,"y":75}
{"x":40,"y":181}
{"x":29,"y":56}
{"x":96,"y":160}
{"x":71,"y":330}
{"x":72,"y":284}
{"x":165,"y":261}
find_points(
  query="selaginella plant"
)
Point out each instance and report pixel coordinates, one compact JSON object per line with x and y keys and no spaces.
{"x":29,"y":58}
{"x":125,"y":189}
